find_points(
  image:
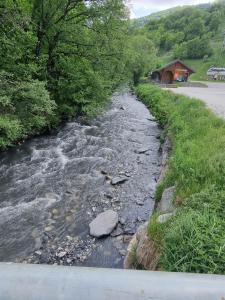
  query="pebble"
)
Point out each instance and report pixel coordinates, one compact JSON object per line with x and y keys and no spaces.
{"x":69,"y":192}
{"x":61,"y":254}
{"x":127,"y":238}
{"x":104,"y":172}
{"x":49,"y":228}
{"x":123,"y":252}
{"x":139,"y":202}
{"x":109,"y":196}
{"x":122,"y":221}
{"x":55,"y":211}
{"x":117,"y":232}
{"x":118,"y":180}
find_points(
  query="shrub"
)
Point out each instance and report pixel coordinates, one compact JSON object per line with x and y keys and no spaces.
{"x":33,"y":105}
{"x":10,"y":130}
{"x":26,"y":108}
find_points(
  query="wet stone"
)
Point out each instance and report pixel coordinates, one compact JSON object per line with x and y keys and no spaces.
{"x":109,"y":196}
{"x":104,"y":224}
{"x":104,"y":172}
{"x":49,"y":228}
{"x":119,"y":180}
{"x":140,"y":202}
{"x":127,"y":238}
{"x":117,"y":232}
{"x":142,"y":150}
{"x":122,"y":252}
{"x":61,"y":254}
{"x":139,"y":219}
{"x":130,"y":229}
{"x":122,"y":221}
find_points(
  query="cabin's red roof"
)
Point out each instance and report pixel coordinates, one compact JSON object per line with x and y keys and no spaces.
{"x":173,"y":63}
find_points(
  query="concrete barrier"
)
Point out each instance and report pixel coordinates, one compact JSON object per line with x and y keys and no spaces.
{"x":39,"y":282}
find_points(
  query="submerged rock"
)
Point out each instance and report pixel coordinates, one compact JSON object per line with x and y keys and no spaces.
{"x":119,"y":180}
{"x":104,"y":223}
{"x":140,"y":202}
{"x":117,"y":232}
{"x":142,"y":150}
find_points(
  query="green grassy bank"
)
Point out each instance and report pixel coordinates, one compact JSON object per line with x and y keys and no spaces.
{"x":193,"y":240}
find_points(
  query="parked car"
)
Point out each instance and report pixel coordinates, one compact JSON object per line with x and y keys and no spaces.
{"x":216,"y":73}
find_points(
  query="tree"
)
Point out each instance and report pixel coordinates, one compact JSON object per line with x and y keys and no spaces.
{"x":59,"y":58}
{"x":142,"y":56}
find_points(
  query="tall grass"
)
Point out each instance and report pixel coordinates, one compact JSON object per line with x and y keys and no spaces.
{"x":193,"y":241}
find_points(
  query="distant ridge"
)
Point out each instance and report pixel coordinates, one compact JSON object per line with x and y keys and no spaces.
{"x":139,"y":22}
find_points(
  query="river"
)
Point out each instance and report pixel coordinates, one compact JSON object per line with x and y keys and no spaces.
{"x":53,"y":186}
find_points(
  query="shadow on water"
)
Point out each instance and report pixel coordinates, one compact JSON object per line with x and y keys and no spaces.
{"x":53,"y":186}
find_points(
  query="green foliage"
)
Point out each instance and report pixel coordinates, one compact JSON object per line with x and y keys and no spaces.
{"x":194,"y":49}
{"x":193,"y":241}
{"x":188,"y":31}
{"x":33,"y":105}
{"x":25,"y":108}
{"x":10,"y":130}
{"x":59,"y":59}
{"x":142,"y":56}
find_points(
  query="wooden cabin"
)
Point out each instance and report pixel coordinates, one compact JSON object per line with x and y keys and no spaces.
{"x":174,"y":71}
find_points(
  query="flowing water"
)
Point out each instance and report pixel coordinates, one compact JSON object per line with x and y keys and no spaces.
{"x":53,"y":186}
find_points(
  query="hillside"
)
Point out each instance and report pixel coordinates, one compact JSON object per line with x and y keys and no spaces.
{"x":194,"y":34}
{"x":140,"y":22}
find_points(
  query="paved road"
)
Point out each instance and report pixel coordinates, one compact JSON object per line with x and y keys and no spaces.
{"x":213,"y":96}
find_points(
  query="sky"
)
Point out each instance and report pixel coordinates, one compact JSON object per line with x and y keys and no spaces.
{"x":140,"y":8}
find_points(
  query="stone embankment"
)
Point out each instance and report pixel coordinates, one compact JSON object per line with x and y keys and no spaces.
{"x":142,"y":251}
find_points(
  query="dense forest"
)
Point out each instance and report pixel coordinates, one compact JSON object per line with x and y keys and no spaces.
{"x":188,"y":32}
{"x":63,"y":58}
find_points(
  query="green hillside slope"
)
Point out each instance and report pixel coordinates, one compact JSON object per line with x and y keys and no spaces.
{"x":140,"y":22}
{"x":194,"y":34}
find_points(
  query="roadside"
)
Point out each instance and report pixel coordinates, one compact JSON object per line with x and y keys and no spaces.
{"x":213,"y":96}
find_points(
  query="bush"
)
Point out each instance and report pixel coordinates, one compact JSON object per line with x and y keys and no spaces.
{"x":33,"y":105}
{"x":26,"y":108}
{"x":10,"y":131}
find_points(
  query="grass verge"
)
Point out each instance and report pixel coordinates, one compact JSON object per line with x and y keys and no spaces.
{"x":194,"y":240}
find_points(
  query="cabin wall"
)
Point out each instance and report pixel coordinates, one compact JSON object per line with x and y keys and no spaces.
{"x":169,"y":74}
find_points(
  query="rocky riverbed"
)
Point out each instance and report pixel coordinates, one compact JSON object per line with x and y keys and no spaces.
{"x":53,"y":187}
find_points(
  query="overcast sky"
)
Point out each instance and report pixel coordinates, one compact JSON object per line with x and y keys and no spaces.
{"x":141,"y":8}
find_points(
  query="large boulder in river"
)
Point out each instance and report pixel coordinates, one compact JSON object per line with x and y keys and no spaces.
{"x":104,"y":223}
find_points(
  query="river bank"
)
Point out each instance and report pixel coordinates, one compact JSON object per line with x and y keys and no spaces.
{"x":190,"y":238}
{"x":53,"y":187}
